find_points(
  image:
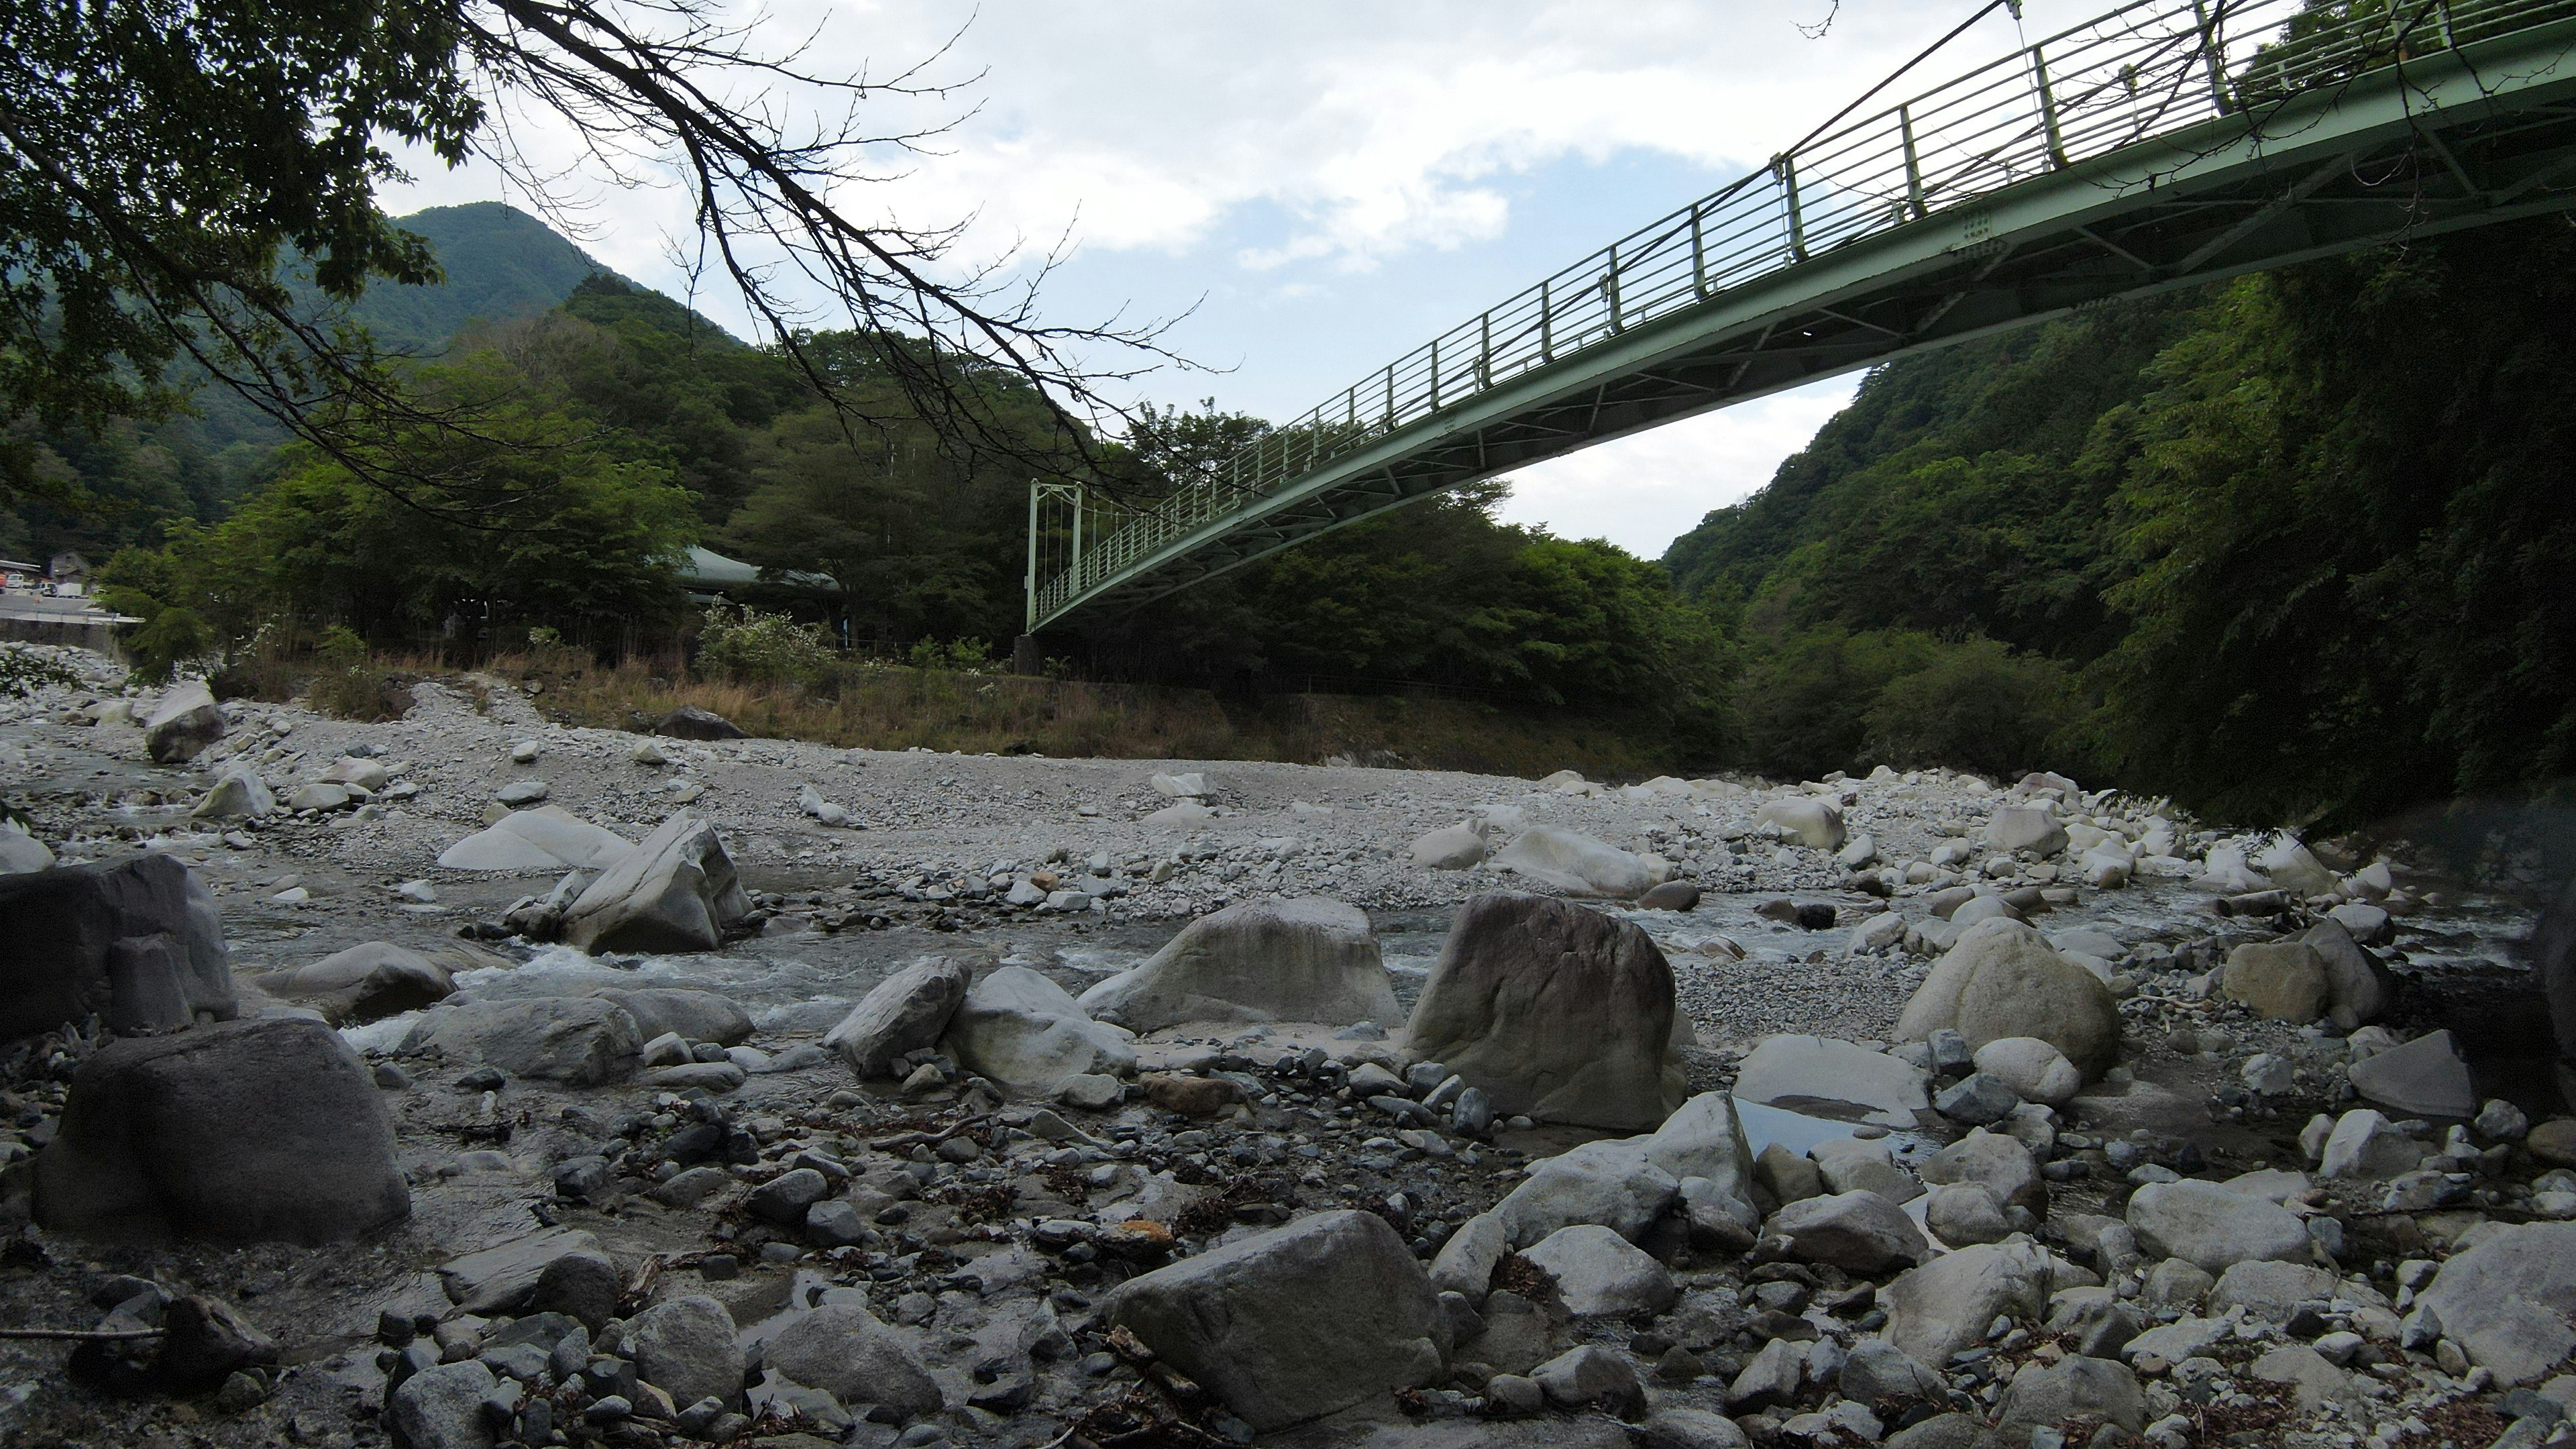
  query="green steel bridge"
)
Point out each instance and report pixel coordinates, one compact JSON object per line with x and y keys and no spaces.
{"x":2164,"y":144}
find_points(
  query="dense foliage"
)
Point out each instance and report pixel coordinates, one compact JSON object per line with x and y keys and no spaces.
{"x":2293,"y":547}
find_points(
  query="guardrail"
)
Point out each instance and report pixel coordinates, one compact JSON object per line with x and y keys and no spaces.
{"x":2142,"y":71}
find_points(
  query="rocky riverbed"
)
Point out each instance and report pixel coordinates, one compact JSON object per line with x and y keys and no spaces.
{"x":465,"y":1079}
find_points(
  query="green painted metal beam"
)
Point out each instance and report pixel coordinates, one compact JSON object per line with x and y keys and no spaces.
{"x":2286,"y":158}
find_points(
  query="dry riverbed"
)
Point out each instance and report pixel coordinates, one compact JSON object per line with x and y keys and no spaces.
{"x":990,"y":1227}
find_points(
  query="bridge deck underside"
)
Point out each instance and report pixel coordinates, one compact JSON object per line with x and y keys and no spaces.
{"x":2371,"y":164}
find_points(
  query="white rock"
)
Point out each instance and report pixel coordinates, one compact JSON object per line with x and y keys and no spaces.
{"x":1813,"y":822}
{"x":1260,"y":960}
{"x":546,"y":838}
{"x":2423,"y":1078}
{"x":1581,"y":865}
{"x":1598,"y":1272}
{"x":1454,"y":847}
{"x":1029,"y":1034}
{"x":2036,"y":1071}
{"x":1825,"y":1077}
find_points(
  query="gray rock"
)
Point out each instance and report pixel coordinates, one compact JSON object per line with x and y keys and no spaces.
{"x":2423,"y":1078}
{"x":2365,"y":1144}
{"x":1466,"y":1262}
{"x":1876,"y":1371}
{"x":2358,"y":987}
{"x":784,"y":1198}
{"x":1944,"y":1306}
{"x":145,"y":990}
{"x":1626,"y":1183}
{"x":502,"y":1279}
{"x":2036,"y":1071}
{"x":835,"y":1224}
{"x":1294,"y":1323}
{"x":521,"y":792}
{"x":2509,"y":1302}
{"x":713,"y":1076}
{"x":1672,"y":895}
{"x":2096,"y":1322}
{"x":2175,"y":1283}
{"x":907,"y":1011}
{"x":2271,"y":1290}
{"x":685,"y":1347}
{"x":240,"y":1132}
{"x":2026,"y":827}
{"x":1266,"y":959}
{"x":1454,"y":847}
{"x":61,"y":925}
{"x":2002,"y":980}
{"x":442,"y":1407}
{"x":580,"y":1285}
{"x":844,"y":1350}
{"x":1966,"y":1213}
{"x":1850,"y":1165}
{"x":368,"y":981}
{"x":1598,"y":1273}
{"x":695,"y":1015}
{"x":2073,"y":1388}
{"x":576,"y":1040}
{"x":1813,"y":823}
{"x":1822,"y":1076}
{"x":182,"y":724}
{"x":1771,"y":1378}
{"x":240,"y":795}
{"x":1976,"y":1098}
{"x":689,"y":722}
{"x":2001,"y":1163}
{"x":1587,"y":1375}
{"x":1949,"y":1431}
{"x":2214,"y":1227}
{"x":1858,"y":1232}
{"x":1687,"y":1428}
{"x":1029,"y":1034}
{"x":1555,"y":1011}
{"x":2282,"y":980}
{"x":674,"y":892}
{"x":1580,"y":865}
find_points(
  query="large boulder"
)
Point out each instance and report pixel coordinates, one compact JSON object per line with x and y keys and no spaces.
{"x":1946,"y":1305}
{"x":21,"y":853}
{"x":674,"y":892}
{"x":2510,"y":1301}
{"x":363,"y":983}
{"x":1823,"y":1076}
{"x":1295,"y":1323}
{"x":1258,"y":960}
{"x":2423,"y":1078}
{"x":577,"y":1040}
{"x":695,"y":1015}
{"x":2096,"y":1390}
{"x":2213,"y":1227}
{"x":1029,"y":1034}
{"x":240,"y":794}
{"x":503,"y":1278}
{"x":1556,"y":1011}
{"x":1858,"y":1232}
{"x":1626,"y":1183}
{"x":842,"y":1349}
{"x":1580,"y":865}
{"x":2281,"y":980}
{"x":182,"y":724}
{"x":1999,"y":1163}
{"x":907,"y":1011}
{"x":2002,"y":979}
{"x":1453,"y":847}
{"x":546,"y":838}
{"x":59,"y":927}
{"x":2036,"y":1071}
{"x":689,"y":722}
{"x":2026,"y":827}
{"x":1804,"y":818}
{"x":2359,"y":987}
{"x":1601,"y":1274}
{"x":685,"y":1347}
{"x":244,"y":1131}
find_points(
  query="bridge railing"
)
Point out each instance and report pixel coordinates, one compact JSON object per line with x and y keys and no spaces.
{"x":2143,"y":70}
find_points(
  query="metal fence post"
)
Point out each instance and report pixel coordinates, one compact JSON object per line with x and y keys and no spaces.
{"x":1485,"y":350}
{"x":1784,"y":168}
{"x":2047,"y":107}
{"x":1032,"y":588}
{"x":1913,"y":164}
{"x":2209,"y":55}
{"x":1546,"y":323}
{"x":1081,"y":505}
{"x":1610,"y":290}
{"x":1390,"y":397}
{"x":1435,"y":374}
{"x":1699,"y":255}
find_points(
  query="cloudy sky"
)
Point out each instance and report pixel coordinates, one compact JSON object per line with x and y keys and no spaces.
{"x":1321,"y":185}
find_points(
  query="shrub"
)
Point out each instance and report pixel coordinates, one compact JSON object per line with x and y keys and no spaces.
{"x":751,"y":646}
{"x":23,"y":671}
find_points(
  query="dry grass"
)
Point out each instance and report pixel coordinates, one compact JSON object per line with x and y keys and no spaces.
{"x":882,"y":707}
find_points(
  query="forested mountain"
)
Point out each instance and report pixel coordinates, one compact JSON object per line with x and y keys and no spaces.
{"x":501,"y":265}
{"x":2296,"y":545}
